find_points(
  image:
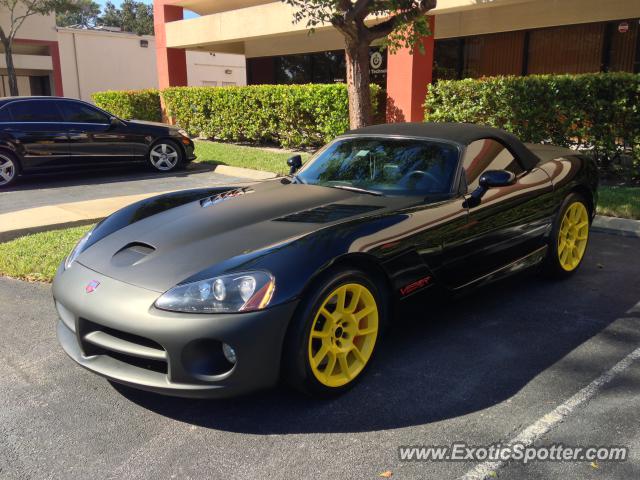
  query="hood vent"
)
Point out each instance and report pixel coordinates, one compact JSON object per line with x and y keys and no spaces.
{"x":132,"y":254}
{"x":221,"y":197}
{"x":328,"y":213}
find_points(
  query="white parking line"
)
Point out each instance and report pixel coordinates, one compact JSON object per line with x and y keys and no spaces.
{"x":544,"y":424}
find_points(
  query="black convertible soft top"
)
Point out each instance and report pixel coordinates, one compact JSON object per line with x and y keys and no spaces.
{"x":462,"y":133}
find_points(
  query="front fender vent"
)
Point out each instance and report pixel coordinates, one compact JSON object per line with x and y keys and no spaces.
{"x":328,"y":213}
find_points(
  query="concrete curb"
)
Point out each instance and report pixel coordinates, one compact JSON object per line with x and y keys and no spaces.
{"x":52,"y":217}
{"x":616,"y":226}
{"x":244,"y":172}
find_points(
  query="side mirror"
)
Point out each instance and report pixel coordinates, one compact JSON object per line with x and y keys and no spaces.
{"x":489,"y":179}
{"x":294,"y":163}
{"x":114,"y":122}
{"x":496,"y":178}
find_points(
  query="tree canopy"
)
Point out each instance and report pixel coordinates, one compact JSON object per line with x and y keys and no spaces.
{"x":131,"y":16}
{"x":85,"y":13}
{"x":401,"y":23}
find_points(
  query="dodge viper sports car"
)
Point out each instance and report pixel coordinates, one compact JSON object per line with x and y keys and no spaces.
{"x":220,"y":291}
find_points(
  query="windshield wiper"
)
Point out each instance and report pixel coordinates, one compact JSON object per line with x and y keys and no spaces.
{"x":356,"y":189}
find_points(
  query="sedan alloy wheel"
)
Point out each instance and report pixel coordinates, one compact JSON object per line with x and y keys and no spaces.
{"x":164,"y":157}
{"x":8,"y":170}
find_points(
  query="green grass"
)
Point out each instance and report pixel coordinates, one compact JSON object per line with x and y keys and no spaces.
{"x":621,"y":202}
{"x":36,"y":257}
{"x":216,"y":153}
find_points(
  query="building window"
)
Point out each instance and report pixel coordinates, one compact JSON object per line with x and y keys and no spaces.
{"x":568,"y":49}
{"x":40,"y":85}
{"x":494,"y":54}
{"x":624,"y":51}
{"x":448,"y":59}
{"x":586,"y":48}
{"x":318,"y":67}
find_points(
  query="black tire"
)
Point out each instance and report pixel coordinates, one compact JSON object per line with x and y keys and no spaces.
{"x":296,"y":364}
{"x":9,"y":169}
{"x":165,"y":156}
{"x":552,"y":265}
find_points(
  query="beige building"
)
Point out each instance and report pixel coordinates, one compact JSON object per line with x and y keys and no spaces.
{"x":35,"y":57}
{"x":213,"y":69}
{"x":78,"y":62}
{"x":472,"y":38}
{"x":96,"y":60}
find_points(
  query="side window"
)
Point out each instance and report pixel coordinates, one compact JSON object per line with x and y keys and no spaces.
{"x":5,"y":116}
{"x":487,"y":154}
{"x":80,"y":113}
{"x":34,"y":111}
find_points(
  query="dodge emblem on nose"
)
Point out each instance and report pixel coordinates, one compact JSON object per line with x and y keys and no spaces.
{"x":92,"y":286}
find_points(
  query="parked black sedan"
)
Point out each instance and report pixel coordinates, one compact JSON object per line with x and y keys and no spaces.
{"x":42,"y":134}
{"x":219,"y":291}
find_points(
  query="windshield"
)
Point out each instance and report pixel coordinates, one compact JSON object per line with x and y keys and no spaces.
{"x":384,"y":165}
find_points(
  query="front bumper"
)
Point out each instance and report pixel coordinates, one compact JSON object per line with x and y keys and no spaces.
{"x":116,"y":332}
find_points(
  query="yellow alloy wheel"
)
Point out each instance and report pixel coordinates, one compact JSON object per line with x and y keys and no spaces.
{"x":573,"y":235}
{"x":343,"y":335}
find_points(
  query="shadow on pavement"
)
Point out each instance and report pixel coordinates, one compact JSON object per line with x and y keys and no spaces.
{"x":443,"y":358}
{"x":102,"y":176}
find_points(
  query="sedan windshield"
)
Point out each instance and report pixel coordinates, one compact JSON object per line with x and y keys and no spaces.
{"x":386,"y":166}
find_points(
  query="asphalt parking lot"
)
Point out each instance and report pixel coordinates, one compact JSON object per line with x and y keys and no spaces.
{"x":479,"y":369}
{"x":51,"y":189}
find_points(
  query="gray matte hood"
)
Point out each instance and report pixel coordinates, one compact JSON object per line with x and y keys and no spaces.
{"x":190,"y":238}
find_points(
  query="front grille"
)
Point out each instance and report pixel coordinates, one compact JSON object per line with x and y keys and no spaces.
{"x":328,"y":213}
{"x":145,"y":363}
{"x":125,"y":347}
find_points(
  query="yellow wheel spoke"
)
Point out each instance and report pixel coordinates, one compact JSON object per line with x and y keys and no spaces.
{"x":367,"y":331}
{"x":364,"y":312}
{"x":331,"y":364}
{"x":344,"y":366}
{"x":576,"y":214}
{"x":355,"y":298}
{"x":358,"y":355}
{"x":318,"y":357}
{"x":320,"y":334}
{"x":582,"y":225}
{"x":562,"y":246}
{"x":342,"y":296}
{"x":327,"y":314}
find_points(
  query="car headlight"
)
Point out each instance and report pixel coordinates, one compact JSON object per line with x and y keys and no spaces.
{"x":237,"y":292}
{"x":183,"y":132}
{"x":77,"y":250}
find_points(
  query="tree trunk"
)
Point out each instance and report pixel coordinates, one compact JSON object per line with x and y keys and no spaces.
{"x":357,"y":59}
{"x":11,"y":70}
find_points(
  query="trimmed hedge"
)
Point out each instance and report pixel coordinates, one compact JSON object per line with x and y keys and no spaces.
{"x":595,"y":111}
{"x":131,"y":104}
{"x":288,"y":115}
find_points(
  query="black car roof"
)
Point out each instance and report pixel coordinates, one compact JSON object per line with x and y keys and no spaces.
{"x":5,"y":100}
{"x":462,"y":133}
